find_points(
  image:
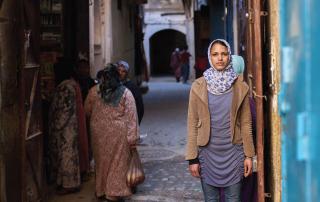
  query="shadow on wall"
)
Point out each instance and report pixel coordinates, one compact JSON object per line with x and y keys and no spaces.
{"x":162,"y":44}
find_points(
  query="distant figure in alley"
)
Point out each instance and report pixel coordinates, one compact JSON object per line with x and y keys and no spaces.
{"x":185,"y":63}
{"x":176,"y":64}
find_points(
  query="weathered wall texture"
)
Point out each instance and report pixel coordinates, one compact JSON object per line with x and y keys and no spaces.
{"x":10,"y":135}
{"x":189,"y":12}
{"x":123,"y":35}
{"x":273,"y":141}
{"x":113,"y":35}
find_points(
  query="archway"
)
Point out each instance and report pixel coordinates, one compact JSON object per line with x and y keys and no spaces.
{"x":162,"y":44}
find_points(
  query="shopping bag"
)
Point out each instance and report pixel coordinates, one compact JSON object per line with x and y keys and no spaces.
{"x":135,"y":173}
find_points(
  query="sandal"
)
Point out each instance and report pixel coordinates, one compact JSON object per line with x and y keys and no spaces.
{"x":119,"y":200}
{"x":116,"y":199}
{"x":65,"y":191}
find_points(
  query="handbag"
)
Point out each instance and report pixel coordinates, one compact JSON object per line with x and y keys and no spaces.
{"x":135,"y":173}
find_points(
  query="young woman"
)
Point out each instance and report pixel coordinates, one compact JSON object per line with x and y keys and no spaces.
{"x":220,"y":144}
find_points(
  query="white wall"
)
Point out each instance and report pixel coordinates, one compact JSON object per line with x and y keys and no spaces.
{"x":235,"y":28}
{"x":190,"y":38}
{"x":91,"y":37}
{"x":116,"y":41}
{"x":123,"y":35}
{"x":192,"y":47}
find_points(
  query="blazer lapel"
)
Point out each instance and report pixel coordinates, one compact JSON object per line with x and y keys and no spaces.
{"x":201,"y":91}
{"x":239,"y":92}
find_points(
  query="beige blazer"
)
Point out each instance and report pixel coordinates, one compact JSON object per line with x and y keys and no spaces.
{"x":199,"y":117}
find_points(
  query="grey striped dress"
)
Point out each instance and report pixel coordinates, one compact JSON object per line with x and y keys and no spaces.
{"x":221,"y":162}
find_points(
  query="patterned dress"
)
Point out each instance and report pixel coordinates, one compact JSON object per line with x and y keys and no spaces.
{"x":82,"y":131}
{"x":63,"y":137}
{"x":113,"y":129}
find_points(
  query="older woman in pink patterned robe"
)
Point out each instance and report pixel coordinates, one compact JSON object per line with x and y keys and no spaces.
{"x":114,"y":127}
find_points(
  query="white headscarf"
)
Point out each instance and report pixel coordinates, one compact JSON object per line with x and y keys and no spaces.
{"x":220,"y":81}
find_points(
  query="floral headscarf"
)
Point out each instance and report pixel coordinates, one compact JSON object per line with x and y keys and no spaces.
{"x":111,"y":90}
{"x":220,"y":81}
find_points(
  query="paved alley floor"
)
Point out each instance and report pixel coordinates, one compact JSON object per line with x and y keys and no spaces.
{"x":163,"y":153}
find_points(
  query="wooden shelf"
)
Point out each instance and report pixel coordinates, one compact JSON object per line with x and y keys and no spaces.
{"x":50,"y":12}
{"x":50,"y":25}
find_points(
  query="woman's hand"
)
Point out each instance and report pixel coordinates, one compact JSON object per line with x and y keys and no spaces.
{"x":133,"y":146}
{"x":247,"y":166}
{"x":194,"y":170}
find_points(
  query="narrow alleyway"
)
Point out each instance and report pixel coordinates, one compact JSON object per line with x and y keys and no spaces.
{"x":163,"y":153}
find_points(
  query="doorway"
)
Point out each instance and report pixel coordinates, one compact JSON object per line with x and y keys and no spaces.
{"x":162,"y":44}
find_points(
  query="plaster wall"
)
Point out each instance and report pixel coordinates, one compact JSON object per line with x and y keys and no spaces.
{"x":91,"y":32}
{"x":274,"y":178}
{"x":235,"y":28}
{"x":116,"y":41}
{"x":189,"y":12}
{"x":123,"y":36}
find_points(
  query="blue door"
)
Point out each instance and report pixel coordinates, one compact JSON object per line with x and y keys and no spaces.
{"x":299,"y":99}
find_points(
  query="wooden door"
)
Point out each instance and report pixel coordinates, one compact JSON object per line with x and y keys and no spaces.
{"x":255,"y":81}
{"x":33,"y":183}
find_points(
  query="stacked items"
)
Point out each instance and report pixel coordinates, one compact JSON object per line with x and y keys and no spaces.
{"x":50,"y":39}
{"x":48,"y":5}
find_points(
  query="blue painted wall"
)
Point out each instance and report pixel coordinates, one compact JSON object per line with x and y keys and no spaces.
{"x":299,"y":99}
{"x":229,"y":24}
{"x":221,"y":25}
{"x":216,"y":19}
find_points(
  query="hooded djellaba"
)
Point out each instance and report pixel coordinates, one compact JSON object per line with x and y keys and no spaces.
{"x":114,"y":129}
{"x":218,"y":153}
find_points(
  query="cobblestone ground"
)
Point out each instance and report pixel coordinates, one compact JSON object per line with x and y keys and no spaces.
{"x":163,"y":153}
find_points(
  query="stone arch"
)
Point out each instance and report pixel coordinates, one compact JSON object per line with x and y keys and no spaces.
{"x":150,"y":30}
{"x":162,"y":44}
